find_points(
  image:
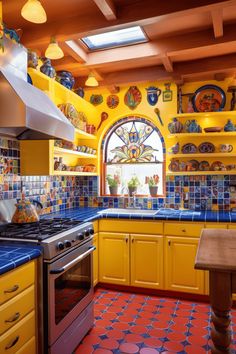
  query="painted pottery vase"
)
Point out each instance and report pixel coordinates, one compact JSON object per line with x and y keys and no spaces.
{"x":65,"y":78}
{"x":175,"y":126}
{"x":153,"y":190}
{"x":229,"y":126}
{"x":191,"y":126}
{"x":174,"y":149}
{"x":32,"y":59}
{"x":47,"y":68}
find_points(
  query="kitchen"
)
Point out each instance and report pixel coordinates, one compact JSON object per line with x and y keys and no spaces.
{"x":73,"y":147}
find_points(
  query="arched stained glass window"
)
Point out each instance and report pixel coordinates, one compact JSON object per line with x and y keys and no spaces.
{"x":133,"y":148}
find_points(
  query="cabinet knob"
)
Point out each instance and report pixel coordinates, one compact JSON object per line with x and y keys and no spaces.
{"x":183,"y":230}
{"x":132,"y":240}
{"x":169,"y":243}
{"x":126,"y":240}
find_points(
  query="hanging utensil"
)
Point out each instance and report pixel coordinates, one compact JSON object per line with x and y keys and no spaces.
{"x":157,"y":111}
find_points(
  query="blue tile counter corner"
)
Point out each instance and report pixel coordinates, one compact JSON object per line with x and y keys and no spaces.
{"x":12,"y":255}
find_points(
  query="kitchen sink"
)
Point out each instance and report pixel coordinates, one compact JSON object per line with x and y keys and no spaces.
{"x":127,"y":211}
{"x":171,"y":212}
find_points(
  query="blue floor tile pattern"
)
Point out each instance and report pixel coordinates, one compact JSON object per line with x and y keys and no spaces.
{"x":134,"y":323}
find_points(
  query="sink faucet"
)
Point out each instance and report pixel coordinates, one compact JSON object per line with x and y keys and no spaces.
{"x":132,"y":201}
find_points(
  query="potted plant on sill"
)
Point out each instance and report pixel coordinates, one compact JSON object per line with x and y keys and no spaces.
{"x":153,"y":184}
{"x":113,"y":183}
{"x":133,"y":185}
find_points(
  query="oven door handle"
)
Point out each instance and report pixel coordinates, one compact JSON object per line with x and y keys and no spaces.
{"x":76,"y":260}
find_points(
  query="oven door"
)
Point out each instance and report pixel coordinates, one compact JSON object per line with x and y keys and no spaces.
{"x":70,"y":289}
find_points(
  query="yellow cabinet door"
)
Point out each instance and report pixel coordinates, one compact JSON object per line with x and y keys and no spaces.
{"x":95,"y":260}
{"x":114,"y":258}
{"x":180,"y":275}
{"x":147,"y":261}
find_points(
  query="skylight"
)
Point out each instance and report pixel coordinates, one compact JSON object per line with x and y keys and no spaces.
{"x":126,"y":36}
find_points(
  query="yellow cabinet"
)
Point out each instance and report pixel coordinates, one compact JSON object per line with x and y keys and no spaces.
{"x":147,"y":261}
{"x":114,"y":258}
{"x":180,"y":275}
{"x":17,"y":310}
{"x":95,"y":260}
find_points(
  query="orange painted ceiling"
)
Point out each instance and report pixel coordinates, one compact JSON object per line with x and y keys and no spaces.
{"x":188,"y":40}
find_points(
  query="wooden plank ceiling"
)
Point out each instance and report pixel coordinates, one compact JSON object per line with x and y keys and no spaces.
{"x":188,"y":40}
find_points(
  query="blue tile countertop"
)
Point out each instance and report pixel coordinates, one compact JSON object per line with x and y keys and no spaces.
{"x":14,"y":255}
{"x":91,"y":214}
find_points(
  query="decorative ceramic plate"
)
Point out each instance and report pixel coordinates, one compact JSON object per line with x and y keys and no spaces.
{"x":206,"y":147}
{"x":209,"y":98}
{"x":112,"y":101}
{"x":189,"y":149}
{"x":204,"y":166}
{"x":213,"y":129}
{"x":174,"y":166}
{"x":218,"y":166}
{"x":192,"y":165}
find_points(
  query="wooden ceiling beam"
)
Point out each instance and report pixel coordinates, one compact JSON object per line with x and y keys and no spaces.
{"x":75,"y":51}
{"x":167,"y":63}
{"x":80,"y":26}
{"x":107,"y":7}
{"x":217,"y":21}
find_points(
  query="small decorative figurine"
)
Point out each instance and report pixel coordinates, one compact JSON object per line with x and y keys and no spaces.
{"x":133,"y":97}
{"x":65,"y":78}
{"x":174,"y":149}
{"x":152,"y":95}
{"x":229,"y":126}
{"x":175,"y":126}
{"x":47,"y":68}
{"x":79,"y":91}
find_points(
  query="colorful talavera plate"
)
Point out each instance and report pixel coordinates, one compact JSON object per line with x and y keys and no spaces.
{"x":209,"y":98}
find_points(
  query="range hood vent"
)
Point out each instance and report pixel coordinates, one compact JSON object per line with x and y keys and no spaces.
{"x":26,"y":112}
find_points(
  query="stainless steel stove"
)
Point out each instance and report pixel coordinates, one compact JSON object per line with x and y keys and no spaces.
{"x":66,"y":289}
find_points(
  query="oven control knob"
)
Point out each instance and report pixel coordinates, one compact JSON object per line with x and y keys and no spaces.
{"x":67,"y":243}
{"x":86,"y":232}
{"x":60,"y":246}
{"x":91,"y":231}
{"x":80,"y":237}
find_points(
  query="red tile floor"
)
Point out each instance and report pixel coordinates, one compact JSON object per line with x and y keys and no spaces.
{"x":132,"y":323}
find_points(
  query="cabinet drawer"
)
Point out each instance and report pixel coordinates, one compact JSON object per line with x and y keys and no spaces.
{"x":183,"y":229}
{"x":15,"y":281}
{"x":13,"y":339}
{"x":232,"y":226}
{"x":15,"y":309}
{"x":215,"y":225}
{"x":115,"y":225}
{"x":28,"y":347}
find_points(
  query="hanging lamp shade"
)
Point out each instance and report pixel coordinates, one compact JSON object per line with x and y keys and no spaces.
{"x":33,"y":11}
{"x":53,"y":50}
{"x":91,"y":81}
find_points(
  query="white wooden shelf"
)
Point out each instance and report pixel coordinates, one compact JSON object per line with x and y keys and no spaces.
{"x":84,"y":135}
{"x":205,"y":114}
{"x":200,"y":135}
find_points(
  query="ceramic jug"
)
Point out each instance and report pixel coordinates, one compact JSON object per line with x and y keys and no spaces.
{"x":229,"y":126}
{"x":32,"y":59}
{"x":191,"y":126}
{"x":47,"y":68}
{"x":175,"y":126}
{"x":65,"y":78}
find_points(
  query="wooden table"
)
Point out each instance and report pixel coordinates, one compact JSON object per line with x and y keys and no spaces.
{"x":217,"y":253}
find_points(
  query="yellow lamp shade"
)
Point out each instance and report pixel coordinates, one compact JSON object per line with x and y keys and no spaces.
{"x":53,"y":50}
{"x":33,"y":11}
{"x":91,"y":81}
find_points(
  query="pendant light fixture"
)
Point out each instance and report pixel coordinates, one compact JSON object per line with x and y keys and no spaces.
{"x":91,"y":81}
{"x":33,"y":11}
{"x":53,"y":50}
